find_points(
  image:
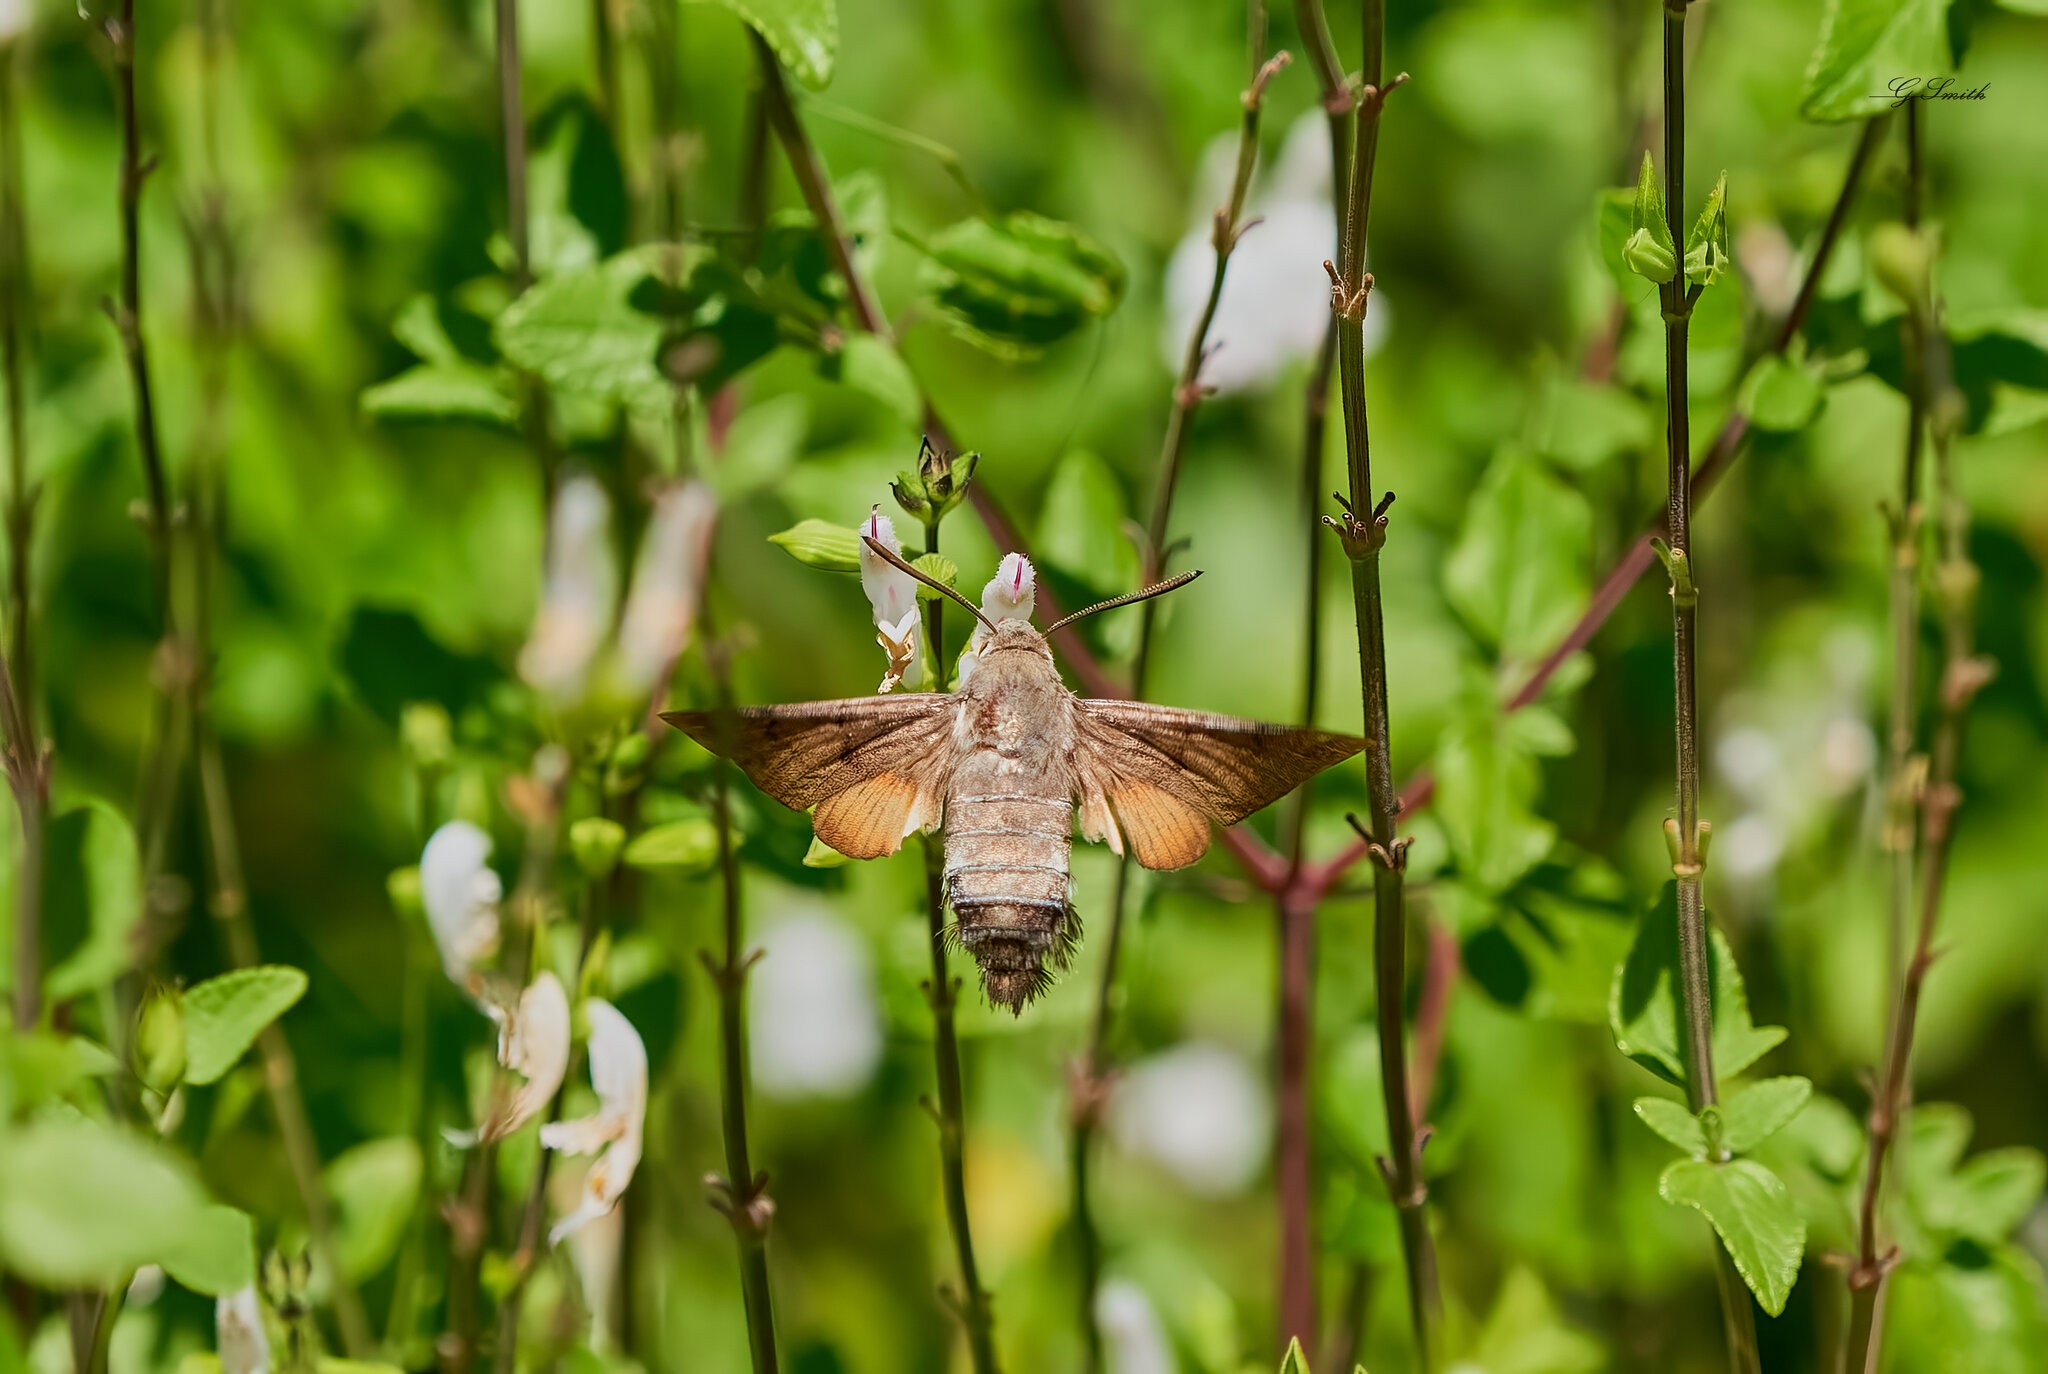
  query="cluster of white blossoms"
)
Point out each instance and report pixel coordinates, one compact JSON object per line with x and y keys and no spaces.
{"x":461,"y":895}
{"x":892,"y":596}
{"x":564,"y":657}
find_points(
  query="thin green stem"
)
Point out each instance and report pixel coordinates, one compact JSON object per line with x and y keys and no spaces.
{"x":742,"y":1195}
{"x":27,"y":766}
{"x":1687,"y":830}
{"x":971,"y":1303}
{"x":1363,"y":531}
{"x":1227,"y":228}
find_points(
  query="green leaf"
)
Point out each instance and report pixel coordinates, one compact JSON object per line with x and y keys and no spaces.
{"x":1760,"y":1110}
{"x":444,"y":391}
{"x":40,"y":1067}
{"x":1081,"y":524}
{"x":1526,"y":1334}
{"x":1672,"y":1121}
{"x":804,"y":34}
{"x":1993,"y":1193}
{"x":218,"y":1255}
{"x":689,"y":846}
{"x":374,"y":1186}
{"x":1487,"y":780}
{"x":1865,"y":45}
{"x":1984,"y":1317}
{"x":83,"y":1204}
{"x":576,"y":188}
{"x":1982,"y":1199}
{"x":1518,"y":573}
{"x":870,"y":366}
{"x":822,"y":855}
{"x":1294,"y":1362}
{"x":1613,"y":221}
{"x":1649,"y":251}
{"x":1643,"y":1009}
{"x":1780,"y":395}
{"x":1752,"y":1211}
{"x":939,"y":568}
{"x":822,"y":544}
{"x":1014,"y":285}
{"x":224,"y":1015}
{"x":583,"y":333}
{"x":1706,"y":247}
{"x":1585,"y":425}
{"x":92,"y":899}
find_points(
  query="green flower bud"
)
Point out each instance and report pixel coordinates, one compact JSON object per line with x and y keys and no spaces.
{"x":1902,"y":260}
{"x":424,"y":730}
{"x":1646,"y":257}
{"x":628,"y":760}
{"x":596,"y":842}
{"x":160,"y":1040}
{"x":821,"y":544}
{"x":403,"y":887}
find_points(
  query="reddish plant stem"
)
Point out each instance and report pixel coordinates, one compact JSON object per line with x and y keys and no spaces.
{"x":1963,"y":674}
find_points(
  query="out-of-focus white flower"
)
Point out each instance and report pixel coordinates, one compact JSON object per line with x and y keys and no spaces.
{"x":618,"y":1070}
{"x":1749,"y":846}
{"x":460,"y":893}
{"x":1131,"y":1330}
{"x":1848,"y":751}
{"x":668,"y":579}
{"x":578,"y":595}
{"x":1199,"y":1112}
{"x":594,"y":1251}
{"x":14,"y":20}
{"x":1275,"y":305}
{"x":1749,"y":758}
{"x":816,"y":1030}
{"x":1009,"y":595}
{"x":533,"y":1042}
{"x":892,"y":593}
{"x":238,"y":1330}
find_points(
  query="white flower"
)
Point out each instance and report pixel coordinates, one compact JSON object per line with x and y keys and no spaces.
{"x":14,"y":20}
{"x":1130,"y":1327}
{"x":533,"y":1042}
{"x":892,"y":593}
{"x":1275,"y":305}
{"x":460,"y":893}
{"x":1009,"y":595}
{"x":668,"y":578}
{"x":816,"y":1030}
{"x":1198,"y":1111}
{"x":238,"y":1330}
{"x":618,"y":1070}
{"x":594,"y":1251}
{"x":578,"y":595}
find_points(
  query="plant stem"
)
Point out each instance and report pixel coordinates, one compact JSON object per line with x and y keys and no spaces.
{"x":742,"y":1195}
{"x":1227,"y":228}
{"x":1688,"y":831}
{"x":1963,"y":674}
{"x":512,"y":122}
{"x":1901,"y":803}
{"x":27,"y":766}
{"x":1362,"y":529}
{"x":971,"y":1302}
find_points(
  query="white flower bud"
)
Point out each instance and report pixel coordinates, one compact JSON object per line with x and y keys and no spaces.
{"x":618,"y":1070}
{"x":238,"y":1331}
{"x":578,"y":595}
{"x":892,"y":593}
{"x":1009,"y":595}
{"x":668,"y":581}
{"x":460,"y":893}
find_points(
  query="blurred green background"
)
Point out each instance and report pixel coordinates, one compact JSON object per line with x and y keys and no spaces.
{"x":376,"y":560}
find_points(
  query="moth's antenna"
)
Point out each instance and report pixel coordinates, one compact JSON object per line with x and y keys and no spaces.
{"x":1145,"y":594}
{"x":883,"y":552}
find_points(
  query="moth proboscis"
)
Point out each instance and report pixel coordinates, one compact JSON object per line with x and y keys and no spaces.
{"x":1004,"y":762}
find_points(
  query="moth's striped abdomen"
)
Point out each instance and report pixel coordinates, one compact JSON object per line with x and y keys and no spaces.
{"x":1007,"y":850}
